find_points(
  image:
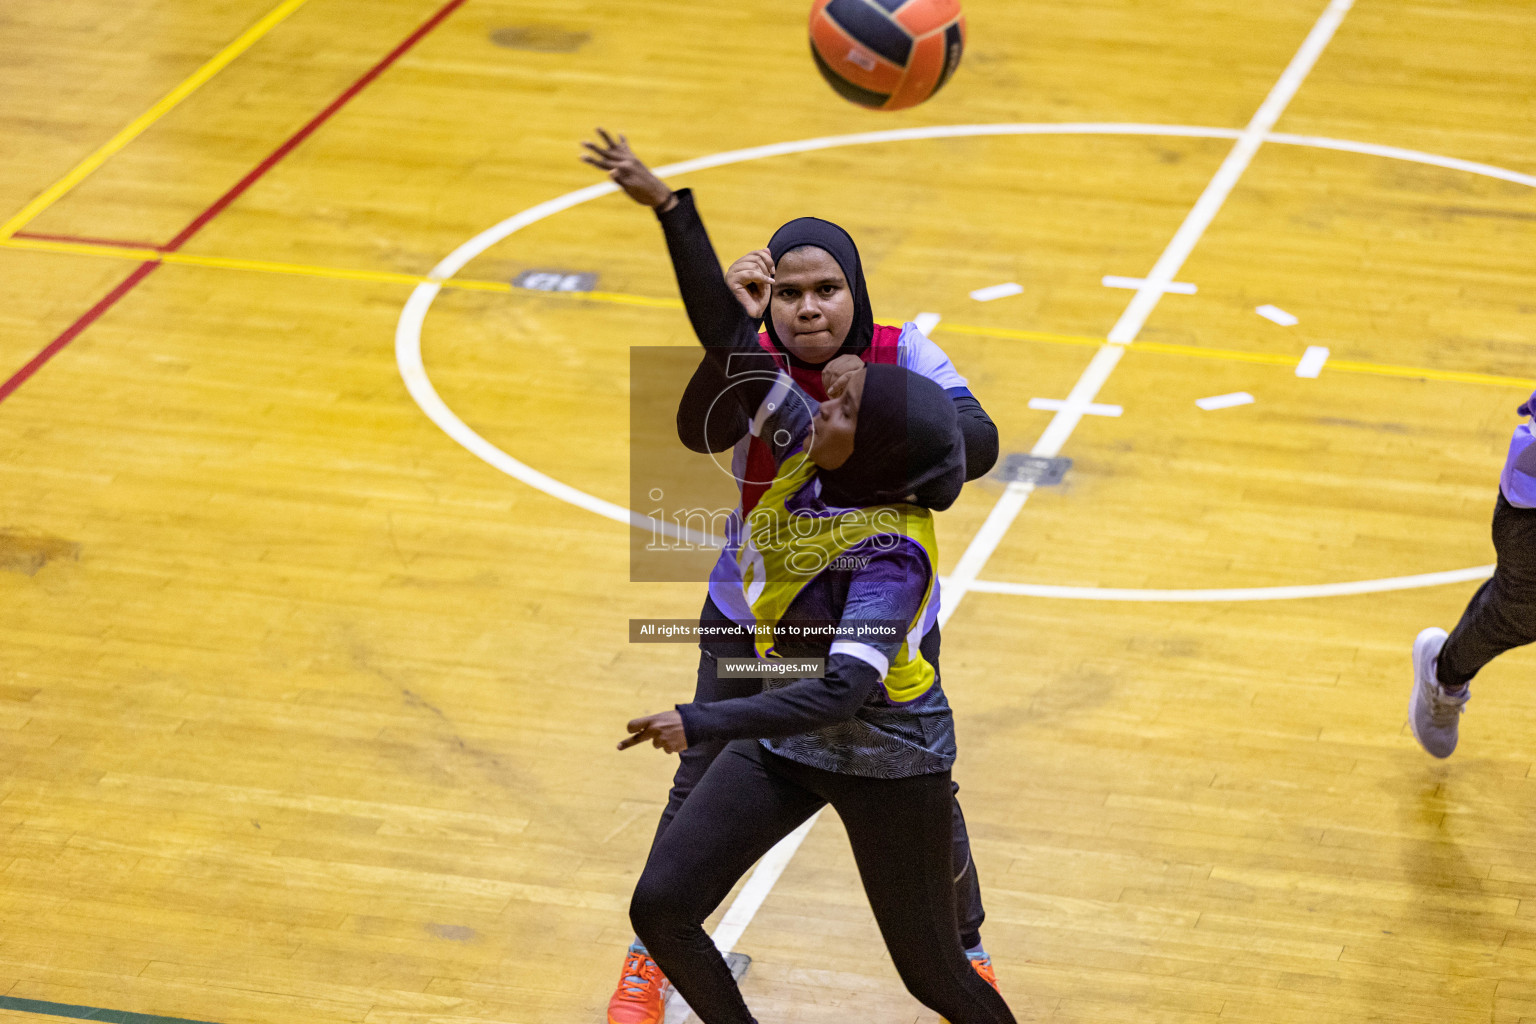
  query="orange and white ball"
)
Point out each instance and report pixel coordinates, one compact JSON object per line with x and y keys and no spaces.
{"x":887,"y":54}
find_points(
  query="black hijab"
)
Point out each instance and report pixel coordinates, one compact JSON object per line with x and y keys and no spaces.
{"x":838,"y":244}
{"x":907,"y":445}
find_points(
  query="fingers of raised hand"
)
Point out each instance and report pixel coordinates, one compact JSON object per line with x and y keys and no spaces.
{"x":599,"y":157}
{"x":762,"y":262}
{"x":611,"y":153}
{"x":640,"y":730}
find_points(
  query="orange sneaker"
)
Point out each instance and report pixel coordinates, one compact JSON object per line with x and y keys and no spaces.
{"x":641,"y":997}
{"x":983,"y":966}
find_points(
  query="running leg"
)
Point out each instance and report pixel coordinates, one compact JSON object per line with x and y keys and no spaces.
{"x":738,"y":811}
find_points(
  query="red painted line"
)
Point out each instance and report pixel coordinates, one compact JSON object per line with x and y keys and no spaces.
{"x":219,"y":205}
{"x":303,"y":133}
{"x":83,"y":240}
{"x":73,"y":330}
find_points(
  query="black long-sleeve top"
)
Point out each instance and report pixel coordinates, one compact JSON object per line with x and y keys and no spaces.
{"x":802,"y":706}
{"x":728,"y":335}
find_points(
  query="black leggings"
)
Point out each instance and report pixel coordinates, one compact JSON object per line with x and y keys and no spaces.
{"x":1502,"y":614}
{"x":750,"y":799}
{"x":695,"y":761}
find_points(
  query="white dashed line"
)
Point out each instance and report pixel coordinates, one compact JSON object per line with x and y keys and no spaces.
{"x":1312,"y":361}
{"x":1277,"y":315}
{"x":997,"y":291}
{"x":1224,"y":401}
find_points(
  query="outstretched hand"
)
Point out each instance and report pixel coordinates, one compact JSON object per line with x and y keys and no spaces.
{"x":751,"y":281}
{"x":665,"y":731}
{"x":614,"y":156}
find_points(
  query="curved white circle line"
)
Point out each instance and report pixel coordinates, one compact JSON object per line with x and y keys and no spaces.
{"x":1428,"y":579}
{"x":1411,"y":155}
{"x":414,"y":372}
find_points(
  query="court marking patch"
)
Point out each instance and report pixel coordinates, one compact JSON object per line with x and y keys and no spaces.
{"x":540,"y":38}
{"x":1039,"y":470}
{"x":418,"y":383}
{"x":555,"y":281}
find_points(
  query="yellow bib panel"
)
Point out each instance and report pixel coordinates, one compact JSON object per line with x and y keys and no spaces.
{"x":784,"y":551}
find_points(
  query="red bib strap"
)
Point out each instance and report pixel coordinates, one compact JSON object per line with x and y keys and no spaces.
{"x":885,"y":349}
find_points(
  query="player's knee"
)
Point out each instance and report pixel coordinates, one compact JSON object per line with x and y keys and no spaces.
{"x":919,"y":978}
{"x":932,"y":979}
{"x":658,"y":908}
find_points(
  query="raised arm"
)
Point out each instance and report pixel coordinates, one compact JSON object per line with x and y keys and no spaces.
{"x":719,"y":322}
{"x":701,"y":425}
{"x":721,"y":325}
{"x":705,"y":425}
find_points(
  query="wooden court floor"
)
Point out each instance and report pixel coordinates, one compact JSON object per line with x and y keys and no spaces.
{"x":307,"y":712}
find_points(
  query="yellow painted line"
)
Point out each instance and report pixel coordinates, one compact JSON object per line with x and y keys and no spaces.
{"x":309,"y":270}
{"x":628,"y":300}
{"x":186,"y":259}
{"x":82,"y":249}
{"x":648,"y":302}
{"x":1454,"y":376}
{"x":259,"y":266}
{"x":1230,"y":355}
{"x":1014,"y":335}
{"x":138,"y":125}
{"x":1239,"y":356}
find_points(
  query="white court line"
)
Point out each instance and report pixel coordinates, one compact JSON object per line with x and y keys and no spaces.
{"x":926,"y":322}
{"x":1057,"y":404}
{"x":997,"y":291}
{"x":1134,"y":283}
{"x":1450,"y":163}
{"x":1146,"y":298}
{"x":412,"y":318}
{"x":1289,"y":593}
{"x":744,"y":906}
{"x":414,"y":373}
{"x":1312,"y":361}
{"x":1274,"y":314}
{"x":1224,"y":401}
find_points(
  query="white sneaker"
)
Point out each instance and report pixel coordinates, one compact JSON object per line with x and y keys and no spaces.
{"x":1433,"y":714}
